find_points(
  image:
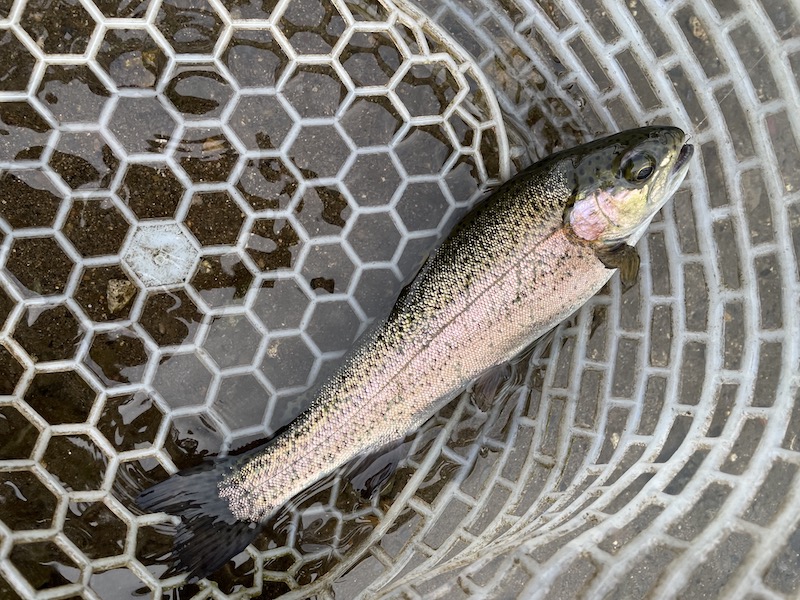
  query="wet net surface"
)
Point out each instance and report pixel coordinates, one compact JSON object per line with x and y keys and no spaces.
{"x":201,"y":206}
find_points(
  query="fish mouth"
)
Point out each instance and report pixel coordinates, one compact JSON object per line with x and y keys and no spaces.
{"x":687,"y":150}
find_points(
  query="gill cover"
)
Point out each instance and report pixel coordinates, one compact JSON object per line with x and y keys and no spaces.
{"x":622,"y":182}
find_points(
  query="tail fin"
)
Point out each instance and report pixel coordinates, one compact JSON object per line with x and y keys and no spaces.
{"x":208,"y":534}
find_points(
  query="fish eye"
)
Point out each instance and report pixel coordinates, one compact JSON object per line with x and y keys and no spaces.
{"x":638,"y":167}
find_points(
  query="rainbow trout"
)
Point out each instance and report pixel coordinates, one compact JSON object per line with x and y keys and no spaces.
{"x":520,"y":262}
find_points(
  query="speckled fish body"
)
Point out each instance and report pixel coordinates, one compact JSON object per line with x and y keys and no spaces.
{"x":523,"y":260}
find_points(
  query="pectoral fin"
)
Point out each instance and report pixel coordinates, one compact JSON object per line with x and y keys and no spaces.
{"x":622,"y":257}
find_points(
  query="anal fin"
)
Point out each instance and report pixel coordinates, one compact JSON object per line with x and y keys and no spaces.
{"x":486,"y":386}
{"x":372,"y":472}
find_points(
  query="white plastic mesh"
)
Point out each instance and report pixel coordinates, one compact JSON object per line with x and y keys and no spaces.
{"x":650,"y":451}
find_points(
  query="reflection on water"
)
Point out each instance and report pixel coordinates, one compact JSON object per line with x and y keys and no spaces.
{"x":198,"y":91}
{"x":273,"y":244}
{"x":72,"y":93}
{"x":206,"y":154}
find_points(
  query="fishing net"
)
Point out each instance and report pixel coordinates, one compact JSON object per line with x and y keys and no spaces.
{"x":203,"y":204}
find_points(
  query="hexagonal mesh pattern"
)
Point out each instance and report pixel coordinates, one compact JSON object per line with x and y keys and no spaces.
{"x":201,"y":207}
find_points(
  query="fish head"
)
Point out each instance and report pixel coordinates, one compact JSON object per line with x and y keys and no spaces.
{"x":622,"y":181}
